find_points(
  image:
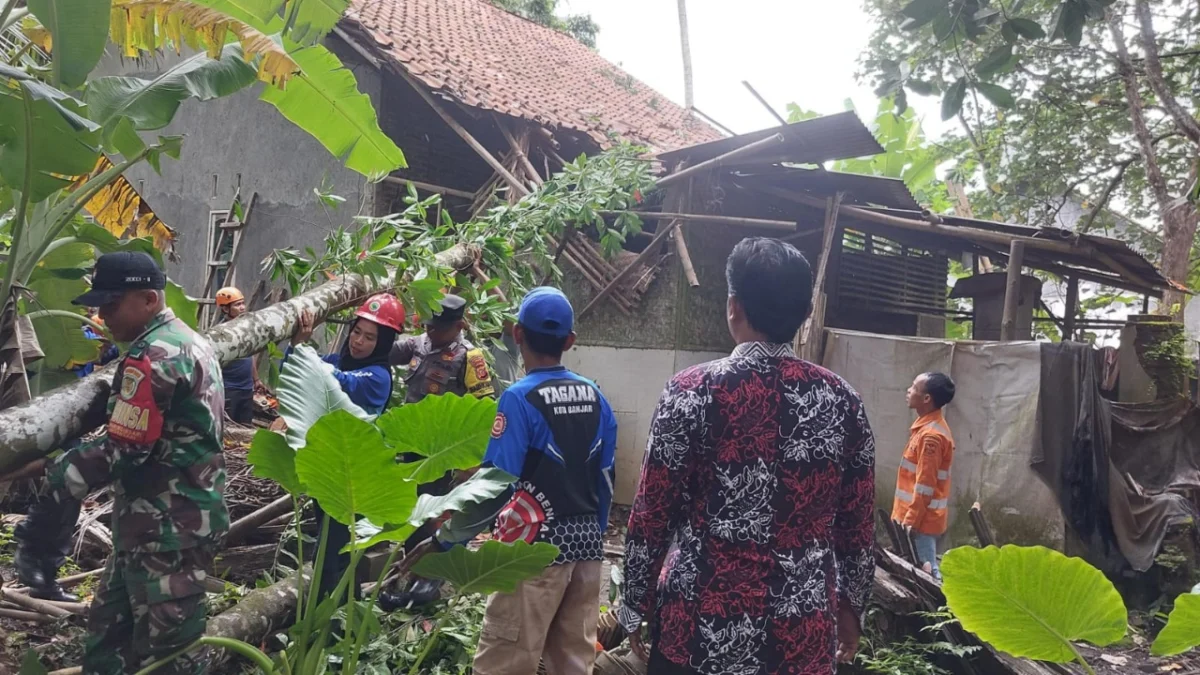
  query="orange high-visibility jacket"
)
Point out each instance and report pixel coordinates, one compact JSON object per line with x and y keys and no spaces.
{"x":923,"y":486}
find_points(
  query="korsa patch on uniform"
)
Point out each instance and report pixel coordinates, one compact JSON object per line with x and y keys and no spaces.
{"x":130,"y":379}
{"x":499,"y":425}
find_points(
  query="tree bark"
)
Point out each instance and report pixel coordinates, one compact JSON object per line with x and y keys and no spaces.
{"x":36,"y":428}
{"x":1179,"y":219}
{"x":257,"y":615}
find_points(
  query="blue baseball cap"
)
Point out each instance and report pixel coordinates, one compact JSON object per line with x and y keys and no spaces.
{"x":547,"y":310}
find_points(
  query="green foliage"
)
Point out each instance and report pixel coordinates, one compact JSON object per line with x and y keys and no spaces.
{"x":484,"y":485}
{"x":79,"y":29}
{"x":493,"y":568}
{"x":271,"y":457}
{"x":450,"y":432}
{"x":323,"y":99}
{"x":405,"y":636}
{"x":1182,"y":631}
{"x":152,"y":104}
{"x":30,"y":665}
{"x":1032,"y":602}
{"x":348,"y":469}
{"x":307,"y":392}
{"x":512,"y":238}
{"x":579,"y":26}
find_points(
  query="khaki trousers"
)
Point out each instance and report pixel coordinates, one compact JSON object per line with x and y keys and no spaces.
{"x":550,"y":617}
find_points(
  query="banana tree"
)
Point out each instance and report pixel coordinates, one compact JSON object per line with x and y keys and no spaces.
{"x":66,"y":137}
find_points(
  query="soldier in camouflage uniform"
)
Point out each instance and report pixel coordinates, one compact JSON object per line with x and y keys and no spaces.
{"x":442,"y":361}
{"x":162,"y":455}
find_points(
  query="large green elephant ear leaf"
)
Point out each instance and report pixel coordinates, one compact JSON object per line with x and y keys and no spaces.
{"x":348,"y":469}
{"x":494,"y":568}
{"x":1032,"y":602}
{"x":1182,"y":631}
{"x":484,"y":486}
{"x":272,"y":458}
{"x":30,"y":665}
{"x":308,"y":391}
{"x":449,"y":432}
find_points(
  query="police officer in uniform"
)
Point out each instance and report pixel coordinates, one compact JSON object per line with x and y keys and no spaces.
{"x":442,"y":361}
{"x":161,"y":454}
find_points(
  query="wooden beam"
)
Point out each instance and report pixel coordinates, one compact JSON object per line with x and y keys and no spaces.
{"x":739,"y":153}
{"x":1072,"y":308}
{"x":813,"y":329}
{"x":516,"y":147}
{"x":662,"y":234}
{"x":429,"y":187}
{"x":790,"y":226}
{"x":483,"y":152}
{"x":1012,"y":291}
{"x":968,"y":234}
{"x":689,"y":270}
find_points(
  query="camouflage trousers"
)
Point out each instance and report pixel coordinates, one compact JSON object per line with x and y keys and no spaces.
{"x":148,"y":605}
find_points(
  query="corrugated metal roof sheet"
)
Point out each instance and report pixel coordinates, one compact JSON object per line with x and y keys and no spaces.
{"x":821,"y":139}
{"x":860,"y":189}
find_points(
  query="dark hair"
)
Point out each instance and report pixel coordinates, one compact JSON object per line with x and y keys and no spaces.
{"x":940,"y":388}
{"x":774,"y":283}
{"x":544,"y":343}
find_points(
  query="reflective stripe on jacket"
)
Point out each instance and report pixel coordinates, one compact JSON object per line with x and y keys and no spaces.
{"x":923,"y":485}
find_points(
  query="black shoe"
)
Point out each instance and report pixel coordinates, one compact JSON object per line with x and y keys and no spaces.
{"x":29,"y":569}
{"x":52,"y":592}
{"x":390,"y":602}
{"x":424,"y":592}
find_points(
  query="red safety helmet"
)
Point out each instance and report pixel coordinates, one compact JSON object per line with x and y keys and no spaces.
{"x":383,"y":309}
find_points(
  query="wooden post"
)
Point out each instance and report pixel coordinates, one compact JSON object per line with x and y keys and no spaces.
{"x":1072,"y":309}
{"x":811,"y":334}
{"x":1012,"y":291}
{"x":516,"y":147}
{"x":685,"y":258}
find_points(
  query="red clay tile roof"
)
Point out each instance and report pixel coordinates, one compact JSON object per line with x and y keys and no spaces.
{"x":482,"y":56}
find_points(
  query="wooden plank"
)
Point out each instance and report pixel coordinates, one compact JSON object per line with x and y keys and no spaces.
{"x":661,"y":235}
{"x":520,"y":152}
{"x":1012,"y":291}
{"x":811,"y":334}
{"x":787,"y":225}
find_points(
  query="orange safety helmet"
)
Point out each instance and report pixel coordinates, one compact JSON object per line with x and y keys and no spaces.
{"x":383,"y":309}
{"x":228,"y":296}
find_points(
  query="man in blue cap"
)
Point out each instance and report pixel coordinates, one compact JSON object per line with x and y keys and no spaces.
{"x":557,"y":433}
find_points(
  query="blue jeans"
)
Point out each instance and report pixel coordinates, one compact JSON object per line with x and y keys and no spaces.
{"x":926,"y":545}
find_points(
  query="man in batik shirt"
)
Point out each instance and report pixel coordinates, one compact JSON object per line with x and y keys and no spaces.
{"x":761,"y":467}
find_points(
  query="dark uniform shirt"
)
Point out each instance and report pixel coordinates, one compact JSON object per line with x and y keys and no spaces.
{"x":458,"y":368}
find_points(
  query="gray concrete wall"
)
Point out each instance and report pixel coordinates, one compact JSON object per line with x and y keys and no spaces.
{"x":241,"y":137}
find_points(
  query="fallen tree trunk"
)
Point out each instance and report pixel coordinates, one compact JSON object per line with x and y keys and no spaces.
{"x":259,"y":614}
{"x":244,"y":526}
{"x":36,"y":428}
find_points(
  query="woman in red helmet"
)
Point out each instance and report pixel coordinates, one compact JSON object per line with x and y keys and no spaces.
{"x":361,"y":366}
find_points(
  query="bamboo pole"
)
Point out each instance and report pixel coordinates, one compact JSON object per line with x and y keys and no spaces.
{"x":969,"y":234}
{"x":242,"y":527}
{"x":520,"y":152}
{"x":685,"y":258}
{"x":429,"y":187}
{"x":814,"y":329}
{"x":33,"y":604}
{"x":739,"y":153}
{"x":663,"y":233}
{"x":764,"y":223}
{"x":1012,"y":291}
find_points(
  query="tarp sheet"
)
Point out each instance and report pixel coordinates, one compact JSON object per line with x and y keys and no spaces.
{"x":994,"y":419}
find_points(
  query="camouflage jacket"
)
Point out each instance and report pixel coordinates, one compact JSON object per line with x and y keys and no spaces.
{"x":458,"y":368}
{"x":162,"y":450}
